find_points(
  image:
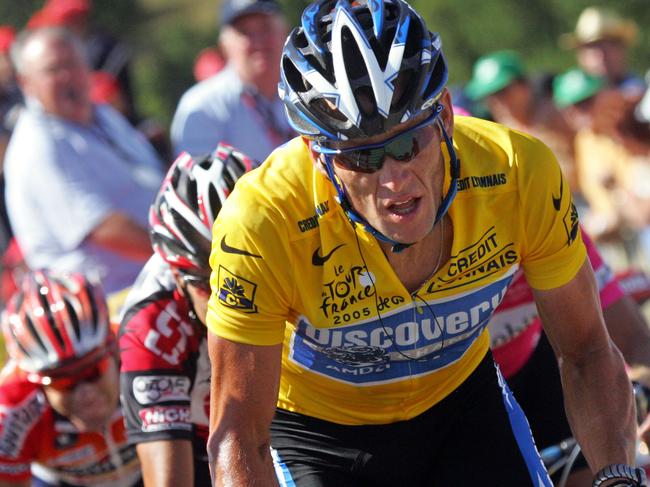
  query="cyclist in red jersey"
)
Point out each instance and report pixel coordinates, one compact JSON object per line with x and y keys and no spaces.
{"x":60,"y":420}
{"x":165,"y":380}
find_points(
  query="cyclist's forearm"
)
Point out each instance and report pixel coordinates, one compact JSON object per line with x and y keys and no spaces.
{"x":166,"y":463}
{"x":600,"y":408}
{"x":240,"y":461}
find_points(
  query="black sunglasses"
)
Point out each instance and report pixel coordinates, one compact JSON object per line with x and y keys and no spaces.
{"x":370,"y":158}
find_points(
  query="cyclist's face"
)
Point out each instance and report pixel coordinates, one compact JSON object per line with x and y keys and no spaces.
{"x":56,"y":74}
{"x":198,"y":290}
{"x":90,"y":404}
{"x":401,"y":199}
{"x":603,"y":58}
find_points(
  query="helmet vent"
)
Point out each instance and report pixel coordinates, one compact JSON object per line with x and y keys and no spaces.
{"x":328,"y":106}
{"x":295,"y":79}
{"x":352,"y":57}
{"x":404,"y":86}
{"x":93,"y":306}
{"x":415,"y":36}
{"x":215,"y":201}
{"x":438,"y":77}
{"x":29,"y":324}
{"x":74,"y":319}
{"x":22,"y":349}
{"x":49,"y":316}
{"x":300,"y":40}
{"x":366,"y":101}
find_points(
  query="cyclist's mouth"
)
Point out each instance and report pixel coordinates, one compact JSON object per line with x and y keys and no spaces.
{"x":404,"y":208}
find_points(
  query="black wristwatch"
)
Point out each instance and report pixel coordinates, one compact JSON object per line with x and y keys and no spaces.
{"x":620,"y":475}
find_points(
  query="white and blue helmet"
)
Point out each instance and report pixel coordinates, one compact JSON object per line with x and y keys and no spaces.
{"x":355,"y":69}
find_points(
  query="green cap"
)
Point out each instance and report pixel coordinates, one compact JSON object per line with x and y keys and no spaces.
{"x":575,"y":86}
{"x":493,"y":72}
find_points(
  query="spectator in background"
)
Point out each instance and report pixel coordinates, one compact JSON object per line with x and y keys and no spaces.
{"x":10,"y":96}
{"x":208,"y":62}
{"x":105,"y":88}
{"x":601,"y":40}
{"x":80,"y":178}
{"x":104,"y":51}
{"x":240,"y":105}
{"x":612,"y":155}
{"x":11,"y":100}
{"x":501,"y":83}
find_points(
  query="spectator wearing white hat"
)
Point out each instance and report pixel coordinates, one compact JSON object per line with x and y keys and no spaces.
{"x":602,"y":39}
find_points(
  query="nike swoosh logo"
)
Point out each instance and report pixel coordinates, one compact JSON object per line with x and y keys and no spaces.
{"x":558,"y":201}
{"x":233,"y":250}
{"x":316,"y":259}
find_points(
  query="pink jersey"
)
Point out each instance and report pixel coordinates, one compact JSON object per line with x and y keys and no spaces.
{"x":515,"y":327}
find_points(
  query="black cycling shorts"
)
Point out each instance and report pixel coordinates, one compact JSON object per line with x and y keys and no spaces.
{"x":475,"y":436}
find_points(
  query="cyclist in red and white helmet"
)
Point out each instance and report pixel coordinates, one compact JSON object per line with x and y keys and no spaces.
{"x":165,"y":381}
{"x":60,"y":420}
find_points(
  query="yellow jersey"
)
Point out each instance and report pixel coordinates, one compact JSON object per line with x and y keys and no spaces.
{"x":288,"y":266}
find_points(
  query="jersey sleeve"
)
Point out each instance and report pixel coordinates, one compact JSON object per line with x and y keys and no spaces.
{"x":553,"y":251}
{"x":20,"y":427}
{"x":155,"y":380}
{"x":251,"y":278}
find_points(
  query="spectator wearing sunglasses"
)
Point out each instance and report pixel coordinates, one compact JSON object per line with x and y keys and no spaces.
{"x":165,"y":381}
{"x":355,"y":271}
{"x":60,"y":420}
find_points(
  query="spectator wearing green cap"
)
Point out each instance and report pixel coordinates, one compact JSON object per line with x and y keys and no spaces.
{"x":611,"y":159}
{"x":500,"y":81}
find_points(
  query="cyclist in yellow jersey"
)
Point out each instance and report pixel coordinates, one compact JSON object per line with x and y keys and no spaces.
{"x":354,"y":273}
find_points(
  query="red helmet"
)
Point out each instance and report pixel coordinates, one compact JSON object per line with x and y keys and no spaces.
{"x":191,"y":196}
{"x":53,"y":321}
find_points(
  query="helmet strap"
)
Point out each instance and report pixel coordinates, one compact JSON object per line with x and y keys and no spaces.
{"x":355,"y":217}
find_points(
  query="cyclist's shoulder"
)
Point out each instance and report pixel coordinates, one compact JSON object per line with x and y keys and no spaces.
{"x":153,"y":289}
{"x":489,"y":143}
{"x":24,"y":412}
{"x":14,"y":386}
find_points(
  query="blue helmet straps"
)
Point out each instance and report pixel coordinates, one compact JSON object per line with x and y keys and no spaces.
{"x":355,"y":217}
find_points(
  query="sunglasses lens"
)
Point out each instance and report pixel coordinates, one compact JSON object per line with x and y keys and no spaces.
{"x":403,"y":148}
{"x":366,"y":160}
{"x":91,"y":374}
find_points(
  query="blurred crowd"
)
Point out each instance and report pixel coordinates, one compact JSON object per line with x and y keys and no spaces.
{"x":595,"y":116}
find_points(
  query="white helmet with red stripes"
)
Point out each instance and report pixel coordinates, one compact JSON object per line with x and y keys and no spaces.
{"x":52,"y":321}
{"x":189,"y":200}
